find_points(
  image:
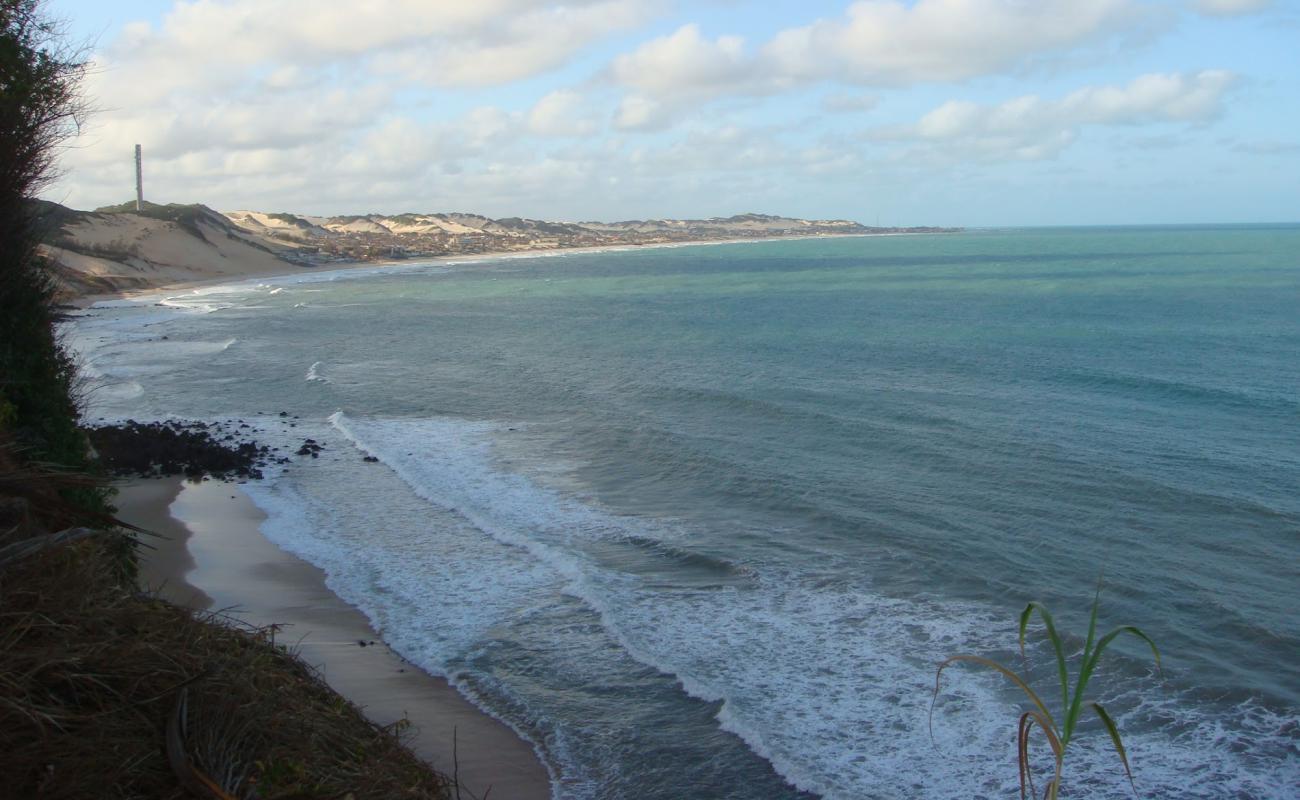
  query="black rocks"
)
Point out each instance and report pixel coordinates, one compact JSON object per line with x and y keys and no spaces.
{"x":310,"y":447}
{"x":192,"y":449}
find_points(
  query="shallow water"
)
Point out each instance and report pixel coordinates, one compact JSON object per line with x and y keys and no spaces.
{"x":701,"y":521}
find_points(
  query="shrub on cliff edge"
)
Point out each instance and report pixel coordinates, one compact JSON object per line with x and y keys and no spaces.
{"x":40,"y":108}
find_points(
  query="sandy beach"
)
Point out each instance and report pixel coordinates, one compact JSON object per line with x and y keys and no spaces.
{"x":211,"y":555}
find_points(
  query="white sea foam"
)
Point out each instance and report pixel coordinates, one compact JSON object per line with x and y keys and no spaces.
{"x":792,"y":667}
{"x":313,"y":373}
{"x":197,"y":304}
{"x":829,"y":682}
{"x":431,"y":583}
{"x":118,"y":346}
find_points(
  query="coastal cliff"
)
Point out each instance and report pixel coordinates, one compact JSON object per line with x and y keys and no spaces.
{"x":116,"y":249}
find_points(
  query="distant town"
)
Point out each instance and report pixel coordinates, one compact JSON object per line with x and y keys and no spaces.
{"x":376,"y":237}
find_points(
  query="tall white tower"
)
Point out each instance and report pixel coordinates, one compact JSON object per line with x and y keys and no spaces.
{"x":139,"y":180}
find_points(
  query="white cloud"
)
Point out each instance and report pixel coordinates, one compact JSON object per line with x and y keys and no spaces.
{"x":889,"y":43}
{"x":883,"y":43}
{"x":1228,"y":8}
{"x":516,"y":45}
{"x":218,"y":80}
{"x":637,"y":112}
{"x":215,"y":48}
{"x":876,"y":42}
{"x":1158,"y":97}
{"x":561,"y":113}
{"x":686,"y":63}
{"x":484,"y":42}
{"x":1031,"y":127}
{"x":841,"y":102}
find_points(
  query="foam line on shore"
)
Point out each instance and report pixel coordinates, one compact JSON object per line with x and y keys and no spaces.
{"x":240,"y":569}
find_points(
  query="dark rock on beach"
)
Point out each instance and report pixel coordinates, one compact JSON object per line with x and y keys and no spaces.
{"x":192,"y":449}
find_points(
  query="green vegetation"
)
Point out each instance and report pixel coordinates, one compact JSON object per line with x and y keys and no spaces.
{"x":287,"y":218}
{"x":1058,"y":735}
{"x":39,"y":109}
{"x":186,"y":215}
{"x":171,"y":212}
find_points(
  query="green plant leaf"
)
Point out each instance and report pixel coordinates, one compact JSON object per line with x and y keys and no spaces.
{"x":1115,"y":740}
{"x":1090,"y":665}
{"x":1134,"y":630}
{"x":1058,"y":737}
{"x":1086,"y":666}
{"x":1062,"y":671}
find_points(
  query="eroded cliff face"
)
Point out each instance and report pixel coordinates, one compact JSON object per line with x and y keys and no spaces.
{"x":118,"y":249}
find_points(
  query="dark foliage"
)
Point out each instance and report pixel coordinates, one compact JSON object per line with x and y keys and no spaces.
{"x":39,"y":108}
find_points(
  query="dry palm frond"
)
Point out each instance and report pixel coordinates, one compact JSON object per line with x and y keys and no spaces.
{"x":190,"y":776}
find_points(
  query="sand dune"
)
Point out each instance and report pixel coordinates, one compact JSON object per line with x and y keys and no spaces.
{"x":113,"y":251}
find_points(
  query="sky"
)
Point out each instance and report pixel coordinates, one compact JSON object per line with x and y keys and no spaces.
{"x":930,"y":112}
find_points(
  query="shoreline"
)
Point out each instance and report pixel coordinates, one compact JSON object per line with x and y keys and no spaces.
{"x":213,"y":557}
{"x":360,"y":267}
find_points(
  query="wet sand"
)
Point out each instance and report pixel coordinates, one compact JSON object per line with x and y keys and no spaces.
{"x":214,"y":557}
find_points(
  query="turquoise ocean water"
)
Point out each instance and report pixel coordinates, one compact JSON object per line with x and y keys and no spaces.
{"x":700,"y":521}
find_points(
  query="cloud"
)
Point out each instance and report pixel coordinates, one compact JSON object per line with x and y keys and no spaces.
{"x":889,"y":43}
{"x":217,"y":50}
{"x":877,"y":43}
{"x":685,"y":62}
{"x":1031,"y":128}
{"x":216,"y":81}
{"x":447,"y":44}
{"x":1158,"y":97}
{"x":1228,"y":8}
{"x":636,"y":112}
{"x":882,"y":43}
{"x":673,"y":74}
{"x":561,"y":113}
{"x":515,"y":46}
{"x":841,"y":102}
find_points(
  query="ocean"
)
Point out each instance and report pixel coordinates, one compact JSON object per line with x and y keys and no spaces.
{"x":701,"y":521}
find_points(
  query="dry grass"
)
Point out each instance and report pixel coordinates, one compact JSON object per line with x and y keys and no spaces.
{"x":99,"y":681}
{"x":91,"y":672}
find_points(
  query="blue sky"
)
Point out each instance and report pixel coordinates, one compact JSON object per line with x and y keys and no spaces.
{"x":948,"y":112}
